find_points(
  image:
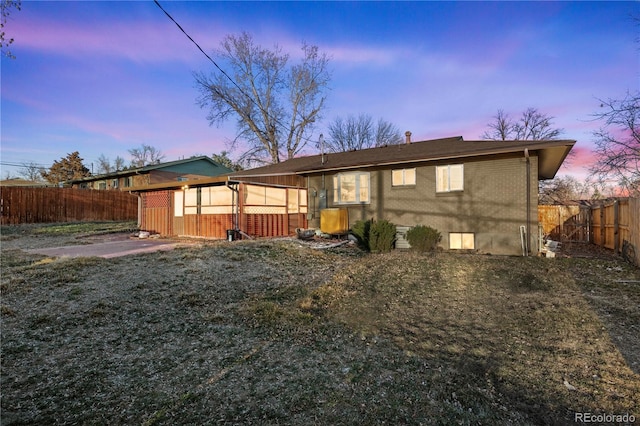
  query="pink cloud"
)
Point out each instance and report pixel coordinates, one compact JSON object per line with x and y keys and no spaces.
{"x":138,"y":42}
{"x":363,"y":55}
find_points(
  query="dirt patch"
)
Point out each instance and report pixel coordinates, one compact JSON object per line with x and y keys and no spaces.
{"x":587,"y":251}
{"x":274,"y":332}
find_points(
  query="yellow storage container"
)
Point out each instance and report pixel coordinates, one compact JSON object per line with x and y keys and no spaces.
{"x":334,"y":221}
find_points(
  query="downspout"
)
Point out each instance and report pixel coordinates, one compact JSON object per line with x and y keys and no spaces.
{"x":528,"y":168}
{"x":235,"y":204}
{"x":139,"y":210}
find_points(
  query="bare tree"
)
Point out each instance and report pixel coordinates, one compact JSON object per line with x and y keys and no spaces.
{"x":561,"y":190}
{"x":6,"y":6}
{"x":532,"y":125}
{"x":31,"y":171}
{"x":145,"y":155}
{"x":618,"y":142}
{"x":104,"y":164}
{"x":355,"y":133}
{"x":500,"y":129}
{"x":119,"y":163}
{"x":276,"y":105}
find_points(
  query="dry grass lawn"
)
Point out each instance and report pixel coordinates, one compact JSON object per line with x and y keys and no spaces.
{"x":271,"y":332}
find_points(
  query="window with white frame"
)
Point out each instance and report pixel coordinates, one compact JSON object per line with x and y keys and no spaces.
{"x":450,"y":178}
{"x":462,"y":241}
{"x":403,"y":177}
{"x":351,"y":188}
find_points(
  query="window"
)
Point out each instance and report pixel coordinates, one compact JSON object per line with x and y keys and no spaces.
{"x":127,"y":181}
{"x":403,"y":177}
{"x":296,"y":200}
{"x":450,"y":178}
{"x":462,"y":241}
{"x":351,"y":188}
{"x":114,"y":183}
{"x":191,"y":201}
{"x":205,"y":200}
{"x":265,"y":200}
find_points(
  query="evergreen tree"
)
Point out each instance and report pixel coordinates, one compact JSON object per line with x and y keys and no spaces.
{"x":69,"y":167}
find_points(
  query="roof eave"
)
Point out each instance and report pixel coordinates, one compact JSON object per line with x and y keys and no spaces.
{"x":180,"y":184}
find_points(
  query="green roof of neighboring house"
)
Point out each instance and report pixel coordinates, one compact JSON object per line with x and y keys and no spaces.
{"x":201,"y":165}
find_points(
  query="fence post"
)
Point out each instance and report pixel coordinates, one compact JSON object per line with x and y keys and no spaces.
{"x":616,"y":226}
{"x":603,"y":228}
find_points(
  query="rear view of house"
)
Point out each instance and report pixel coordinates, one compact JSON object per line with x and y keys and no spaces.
{"x":481,"y":195}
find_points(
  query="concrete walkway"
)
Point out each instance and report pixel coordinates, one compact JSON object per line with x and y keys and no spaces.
{"x":111,"y":247}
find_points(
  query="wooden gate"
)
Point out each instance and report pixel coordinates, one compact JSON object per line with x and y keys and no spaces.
{"x":565,"y":223}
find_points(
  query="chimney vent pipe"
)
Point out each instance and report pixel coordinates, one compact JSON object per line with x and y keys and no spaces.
{"x":407,"y":134}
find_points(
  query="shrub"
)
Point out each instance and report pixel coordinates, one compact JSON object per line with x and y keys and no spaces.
{"x":423,"y":238}
{"x":382,"y":236}
{"x":361,"y":231}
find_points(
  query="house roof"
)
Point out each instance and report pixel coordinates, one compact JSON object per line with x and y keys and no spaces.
{"x":550,"y":153}
{"x":148,"y":168}
{"x":25,"y":183}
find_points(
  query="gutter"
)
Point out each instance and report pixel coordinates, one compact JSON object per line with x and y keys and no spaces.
{"x":235,"y":204}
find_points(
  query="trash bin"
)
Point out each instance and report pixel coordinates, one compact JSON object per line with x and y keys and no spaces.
{"x":231,"y":234}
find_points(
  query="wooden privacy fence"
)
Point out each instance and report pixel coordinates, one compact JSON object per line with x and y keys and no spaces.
{"x":48,"y":205}
{"x":565,"y":223}
{"x":608,"y":225}
{"x":616,"y":222}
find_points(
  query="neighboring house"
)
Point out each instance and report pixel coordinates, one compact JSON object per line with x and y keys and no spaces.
{"x":174,"y":171}
{"x":24,"y":183}
{"x":481,"y":195}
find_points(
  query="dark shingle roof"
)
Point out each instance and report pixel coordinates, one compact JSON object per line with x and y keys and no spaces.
{"x":551,"y":155}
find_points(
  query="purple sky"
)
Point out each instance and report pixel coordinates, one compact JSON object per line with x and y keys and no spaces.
{"x":105,"y":77}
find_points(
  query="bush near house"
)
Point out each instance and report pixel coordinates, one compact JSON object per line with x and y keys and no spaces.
{"x":361,"y":231}
{"x":375,"y":236}
{"x":382,"y":236}
{"x":423,"y":238}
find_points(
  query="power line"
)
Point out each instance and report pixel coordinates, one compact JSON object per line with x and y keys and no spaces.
{"x":5,"y":163}
{"x":201,"y":50}
{"x":275,"y":119}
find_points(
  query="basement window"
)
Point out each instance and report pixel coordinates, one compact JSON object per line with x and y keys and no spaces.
{"x":462,"y":241}
{"x":450,"y":178}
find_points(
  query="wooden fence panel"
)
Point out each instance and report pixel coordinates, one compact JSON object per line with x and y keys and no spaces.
{"x":564,"y":223}
{"x":597,"y":219}
{"x":634,"y":228}
{"x":608,"y":227}
{"x":50,"y":205}
{"x":617,"y":222}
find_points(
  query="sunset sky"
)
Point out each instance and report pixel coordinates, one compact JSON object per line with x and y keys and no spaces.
{"x":105,"y":77}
